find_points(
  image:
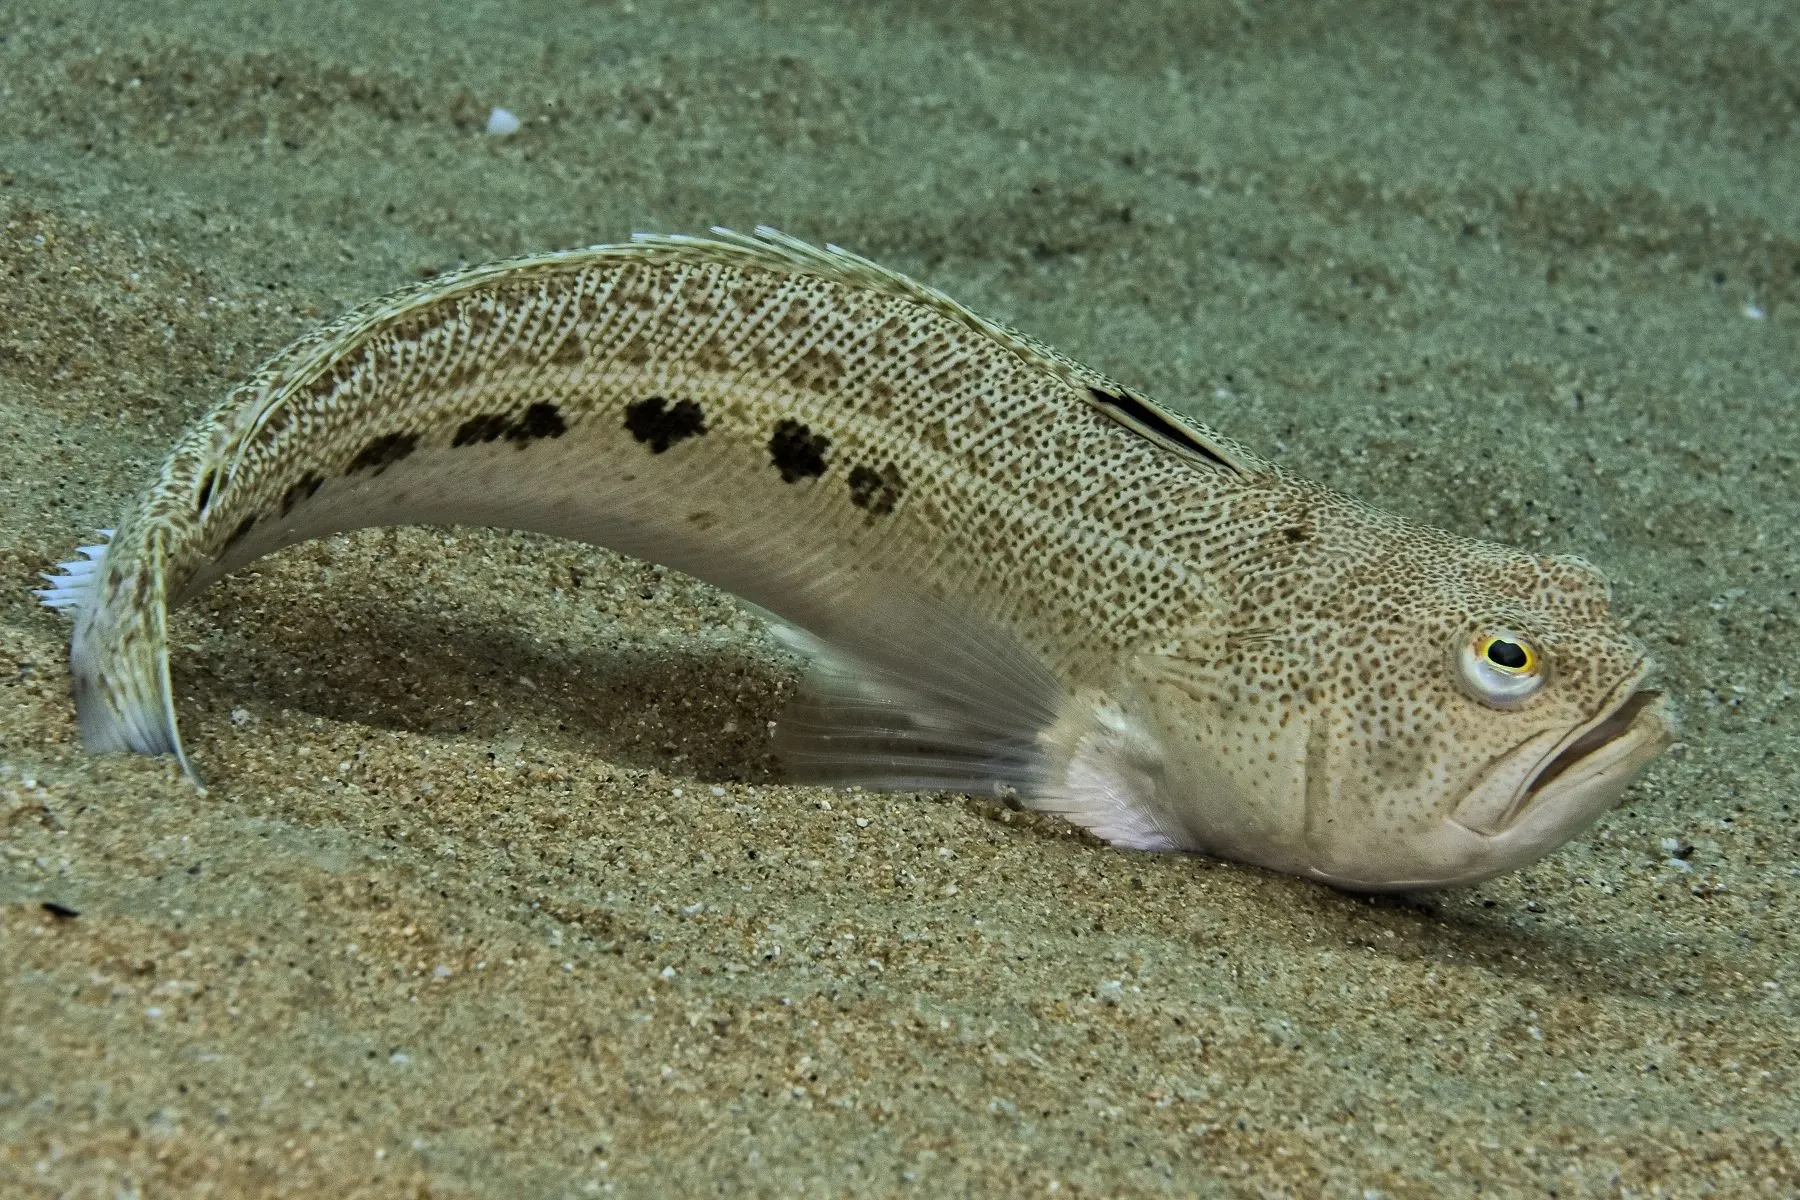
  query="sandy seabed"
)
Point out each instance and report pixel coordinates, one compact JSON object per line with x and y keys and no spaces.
{"x":497,"y":891}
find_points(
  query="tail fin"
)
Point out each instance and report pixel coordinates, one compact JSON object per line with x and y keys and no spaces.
{"x":119,"y":654}
{"x":72,"y":588}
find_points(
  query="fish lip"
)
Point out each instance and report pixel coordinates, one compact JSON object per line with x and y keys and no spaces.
{"x":1615,"y":735}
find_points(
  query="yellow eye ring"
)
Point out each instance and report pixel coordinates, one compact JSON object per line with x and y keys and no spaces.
{"x":1501,"y":668}
{"x":1505,"y":652}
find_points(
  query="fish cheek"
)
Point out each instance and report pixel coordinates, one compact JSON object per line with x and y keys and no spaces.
{"x":1398,"y":763}
{"x":1230,"y":769}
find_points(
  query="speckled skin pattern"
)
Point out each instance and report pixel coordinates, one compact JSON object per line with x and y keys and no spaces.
{"x":1242,"y":662}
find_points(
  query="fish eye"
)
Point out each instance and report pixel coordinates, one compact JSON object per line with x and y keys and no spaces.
{"x":1501,"y":668}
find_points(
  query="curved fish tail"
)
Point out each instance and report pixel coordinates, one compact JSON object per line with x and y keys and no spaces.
{"x":119,"y":655}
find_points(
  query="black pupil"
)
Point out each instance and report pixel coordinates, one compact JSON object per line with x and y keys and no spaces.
{"x":1507,"y":654}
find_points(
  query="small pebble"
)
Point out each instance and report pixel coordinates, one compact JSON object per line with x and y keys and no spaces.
{"x":501,"y":123}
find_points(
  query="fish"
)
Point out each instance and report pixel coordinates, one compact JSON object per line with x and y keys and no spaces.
{"x":1012,"y":575}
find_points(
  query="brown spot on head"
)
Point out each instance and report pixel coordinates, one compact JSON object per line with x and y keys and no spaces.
{"x":1578,"y":584}
{"x":383,"y":452}
{"x":796,"y":451}
{"x":659,"y":424}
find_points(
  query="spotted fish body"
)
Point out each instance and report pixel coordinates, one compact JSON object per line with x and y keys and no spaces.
{"x":1013,"y":572}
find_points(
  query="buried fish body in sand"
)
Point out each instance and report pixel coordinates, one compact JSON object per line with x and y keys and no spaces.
{"x":1013,"y":573}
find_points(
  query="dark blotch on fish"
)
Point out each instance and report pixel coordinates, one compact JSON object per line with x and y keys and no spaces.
{"x":484,"y":428}
{"x":660,"y":425}
{"x":206,"y":491}
{"x":877,"y":491}
{"x":796,"y":451}
{"x":539,"y":421}
{"x":302,"y":489}
{"x":383,"y":453}
{"x":244,"y":527}
{"x":61,"y":912}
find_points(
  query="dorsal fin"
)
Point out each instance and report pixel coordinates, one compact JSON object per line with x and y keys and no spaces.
{"x":1167,"y":428}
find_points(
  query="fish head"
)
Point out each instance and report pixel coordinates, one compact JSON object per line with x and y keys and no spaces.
{"x":1425,"y":711}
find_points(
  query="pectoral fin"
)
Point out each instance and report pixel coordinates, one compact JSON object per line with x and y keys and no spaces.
{"x":917,"y":697}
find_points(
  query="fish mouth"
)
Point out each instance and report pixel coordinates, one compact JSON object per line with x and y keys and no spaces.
{"x":1597,"y":739}
{"x":1582,"y":774}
